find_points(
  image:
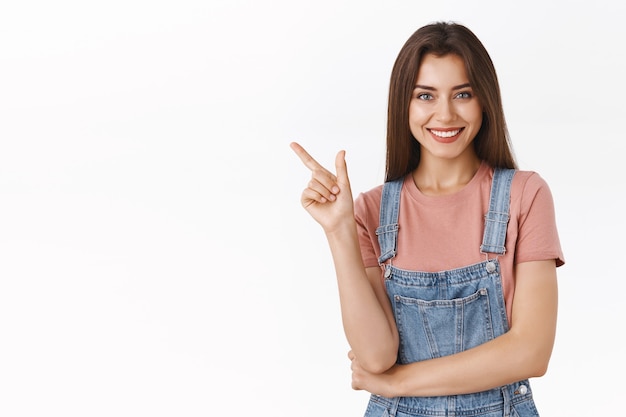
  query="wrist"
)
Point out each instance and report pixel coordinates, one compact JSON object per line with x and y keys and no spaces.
{"x":343,"y":229}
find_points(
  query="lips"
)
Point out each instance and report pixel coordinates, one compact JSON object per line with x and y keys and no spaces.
{"x":446,"y":135}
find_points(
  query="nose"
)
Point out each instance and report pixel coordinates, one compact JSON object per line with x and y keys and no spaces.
{"x":444,"y":111}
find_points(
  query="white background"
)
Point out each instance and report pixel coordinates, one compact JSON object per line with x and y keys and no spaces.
{"x":154,"y":257}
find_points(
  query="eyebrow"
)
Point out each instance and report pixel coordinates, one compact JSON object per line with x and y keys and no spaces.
{"x":457,"y":87}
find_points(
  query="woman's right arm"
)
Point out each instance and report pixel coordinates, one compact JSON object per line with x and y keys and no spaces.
{"x":368,"y":321}
{"x":367,"y":317}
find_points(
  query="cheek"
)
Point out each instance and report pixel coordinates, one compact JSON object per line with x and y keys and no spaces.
{"x":417,"y":115}
{"x":473,"y":114}
{"x":416,"y":124}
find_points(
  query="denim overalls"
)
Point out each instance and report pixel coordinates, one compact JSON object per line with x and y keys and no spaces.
{"x":442,"y":313}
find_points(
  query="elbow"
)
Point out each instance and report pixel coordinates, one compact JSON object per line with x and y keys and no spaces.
{"x":535,"y":364}
{"x":378,"y":362}
{"x":539,"y":368}
{"x":530,"y":354}
{"x":378,"y":359}
{"x":378,"y":365}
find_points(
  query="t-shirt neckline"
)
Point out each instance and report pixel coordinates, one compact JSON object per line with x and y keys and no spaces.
{"x":470,"y":188}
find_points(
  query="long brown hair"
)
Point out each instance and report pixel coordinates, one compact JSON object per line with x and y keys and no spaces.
{"x":492,"y":143}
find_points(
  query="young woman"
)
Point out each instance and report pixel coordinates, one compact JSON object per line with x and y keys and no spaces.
{"x":447,"y":271}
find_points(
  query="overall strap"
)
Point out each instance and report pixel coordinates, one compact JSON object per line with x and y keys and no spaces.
{"x":497,"y":218}
{"x":387,"y":231}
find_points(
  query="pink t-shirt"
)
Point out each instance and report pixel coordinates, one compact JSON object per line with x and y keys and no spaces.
{"x":439,"y":233}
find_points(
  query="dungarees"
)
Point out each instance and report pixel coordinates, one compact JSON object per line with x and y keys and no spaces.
{"x":442,"y":313}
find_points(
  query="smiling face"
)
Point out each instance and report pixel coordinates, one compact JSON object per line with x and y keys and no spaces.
{"x":444,"y":113}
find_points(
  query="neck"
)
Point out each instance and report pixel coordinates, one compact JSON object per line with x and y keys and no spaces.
{"x":441,"y":177}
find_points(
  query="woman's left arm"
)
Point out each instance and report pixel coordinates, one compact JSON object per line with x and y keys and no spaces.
{"x":523,"y":352}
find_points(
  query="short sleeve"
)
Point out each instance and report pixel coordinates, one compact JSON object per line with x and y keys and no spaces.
{"x":366,"y":208}
{"x":538,"y":237}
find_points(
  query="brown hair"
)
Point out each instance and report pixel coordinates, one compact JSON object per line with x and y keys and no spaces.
{"x":492,"y":143}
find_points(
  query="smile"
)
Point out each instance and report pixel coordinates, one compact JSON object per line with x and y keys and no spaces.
{"x":445,"y":134}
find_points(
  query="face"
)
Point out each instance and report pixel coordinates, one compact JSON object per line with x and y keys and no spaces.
{"x":444,"y":114}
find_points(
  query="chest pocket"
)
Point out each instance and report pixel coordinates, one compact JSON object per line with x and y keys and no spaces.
{"x":434,"y":328}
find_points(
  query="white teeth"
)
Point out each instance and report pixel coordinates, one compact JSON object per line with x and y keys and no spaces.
{"x":447,"y":134}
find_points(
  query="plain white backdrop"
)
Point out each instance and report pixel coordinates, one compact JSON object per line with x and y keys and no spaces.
{"x":154,"y":257}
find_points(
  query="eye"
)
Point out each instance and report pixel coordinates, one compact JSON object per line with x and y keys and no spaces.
{"x":424,"y":96}
{"x":464,"y":94}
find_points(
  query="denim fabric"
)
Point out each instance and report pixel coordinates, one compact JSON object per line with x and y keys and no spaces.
{"x":498,"y":216}
{"x":442,"y":313}
{"x":387,"y":232}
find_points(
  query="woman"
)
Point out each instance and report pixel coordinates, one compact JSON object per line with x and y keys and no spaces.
{"x":447,"y":272}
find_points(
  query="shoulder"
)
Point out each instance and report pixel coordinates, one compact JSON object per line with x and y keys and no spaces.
{"x":530,"y":179}
{"x":527,"y":185}
{"x":368,"y":201}
{"x":531,"y":196}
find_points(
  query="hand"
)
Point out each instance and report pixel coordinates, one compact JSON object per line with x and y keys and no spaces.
{"x":328,"y":197}
{"x":379,"y":384}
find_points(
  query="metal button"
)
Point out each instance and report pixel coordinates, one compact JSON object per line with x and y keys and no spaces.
{"x":522,"y":390}
{"x":387,"y":272}
{"x":491,"y":267}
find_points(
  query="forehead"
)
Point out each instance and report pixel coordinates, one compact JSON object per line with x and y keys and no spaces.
{"x":441,"y":71}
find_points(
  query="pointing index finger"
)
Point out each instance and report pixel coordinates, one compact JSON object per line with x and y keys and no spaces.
{"x":304,"y":156}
